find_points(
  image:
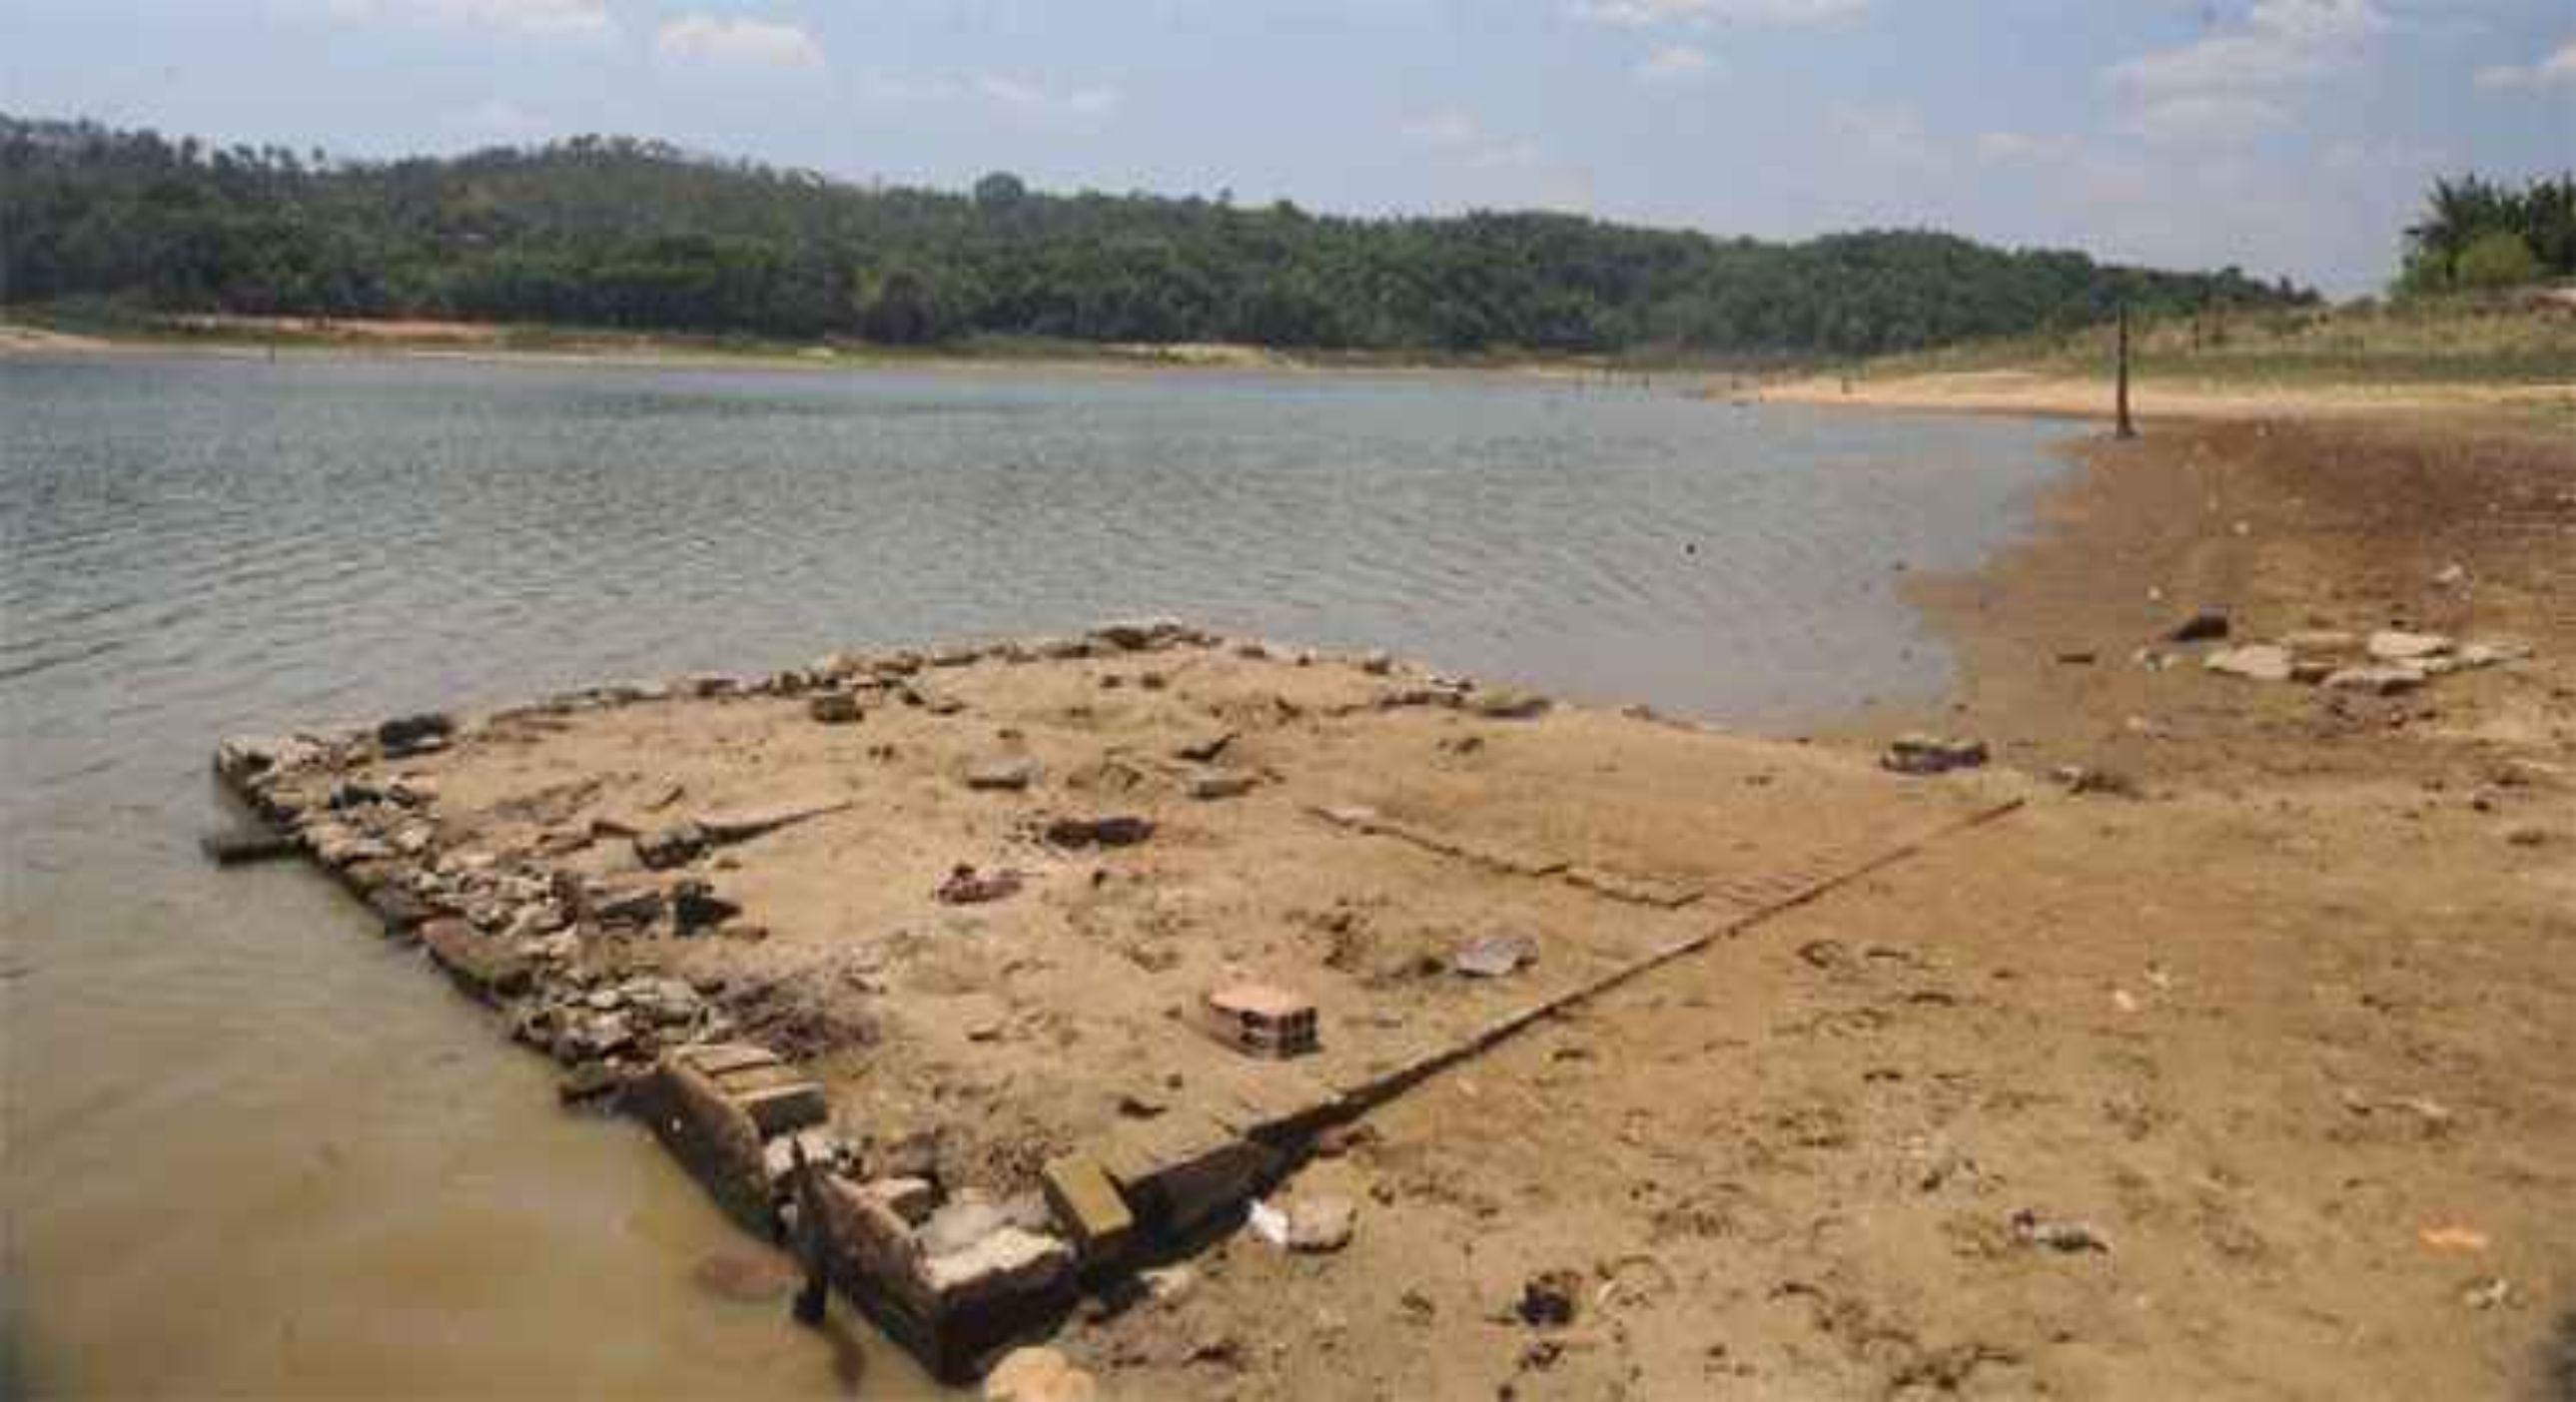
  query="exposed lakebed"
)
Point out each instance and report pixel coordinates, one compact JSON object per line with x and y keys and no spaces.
{"x":251,"y":1151}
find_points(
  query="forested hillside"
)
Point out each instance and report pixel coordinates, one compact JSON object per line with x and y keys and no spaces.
{"x":605,"y":232}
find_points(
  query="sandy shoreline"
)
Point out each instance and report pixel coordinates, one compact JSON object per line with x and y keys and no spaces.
{"x":239,"y":338}
{"x":2236,"y":1069}
{"x":2046,"y":395}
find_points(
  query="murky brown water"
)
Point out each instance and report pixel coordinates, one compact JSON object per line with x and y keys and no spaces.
{"x":251,"y":1149}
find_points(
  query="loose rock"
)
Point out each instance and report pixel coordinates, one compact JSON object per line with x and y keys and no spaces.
{"x":2262,"y":662}
{"x":1929,"y":754}
{"x":2330,"y":640}
{"x":2208,"y":625}
{"x":967,"y":886}
{"x":1320,"y":1225}
{"x":417,"y":734}
{"x":1124,"y":830}
{"x":1550,"y":1300}
{"x":1494,"y":956}
{"x":2398,"y":645}
{"x":677,"y":845}
{"x":1221,"y":785}
{"x":1011,"y":774}
{"x":2071,"y":1237}
{"x":1506,"y":703}
{"x":1038,"y":1375}
{"x":2394,"y":679}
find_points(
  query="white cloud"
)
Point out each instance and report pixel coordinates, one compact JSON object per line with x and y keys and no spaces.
{"x":1645,"y":14}
{"x":2020,"y":148}
{"x":751,"y":42}
{"x":1466,"y":143}
{"x":1023,"y":96}
{"x":2280,"y":42}
{"x":910,"y":90}
{"x":2407,"y":160}
{"x":2205,"y":119}
{"x":1674,"y":63}
{"x":1892,"y":135}
{"x":2557,"y":69}
{"x":1508,"y":155}
{"x":1451,"y":128}
{"x":1009,"y":93}
{"x":496,"y":119}
{"x":586,"y":18}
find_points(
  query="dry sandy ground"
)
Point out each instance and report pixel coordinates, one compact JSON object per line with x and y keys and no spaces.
{"x":2050,"y":395}
{"x":29,"y":340}
{"x":2292,"y":1032}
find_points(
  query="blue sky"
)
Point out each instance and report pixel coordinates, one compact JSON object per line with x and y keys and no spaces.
{"x":2286,"y":136}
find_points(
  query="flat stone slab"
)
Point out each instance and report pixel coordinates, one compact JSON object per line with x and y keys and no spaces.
{"x":484,"y":964}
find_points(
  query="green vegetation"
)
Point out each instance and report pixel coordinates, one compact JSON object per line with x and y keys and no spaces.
{"x":2526,"y":337}
{"x":613,"y":233}
{"x":2477,"y":235}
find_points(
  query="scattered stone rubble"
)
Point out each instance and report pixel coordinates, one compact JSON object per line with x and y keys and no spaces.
{"x":952,"y":1275}
{"x":516,"y":911}
{"x":2389,"y":662}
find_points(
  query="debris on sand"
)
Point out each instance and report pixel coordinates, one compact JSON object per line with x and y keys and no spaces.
{"x":1038,"y":1375}
{"x":1009,"y":774}
{"x":2453,"y":1238}
{"x":2207,"y":625}
{"x":1122,"y":830}
{"x":1926,"y":755}
{"x":1220,"y":784}
{"x":835,"y":708}
{"x":695,"y":906}
{"x":1314,"y":1226}
{"x":2393,"y":679}
{"x":2490,"y":1293}
{"x":1507,"y":703}
{"x":2066,"y":1236}
{"x":2401,"y":645}
{"x":676,"y":845}
{"x":2262,"y":662}
{"x":425,"y":733}
{"x":1550,"y":1299}
{"x":1259,"y":1020}
{"x":1204,"y":749}
{"x":1494,"y":956}
{"x":967,"y":886}
{"x":2083,"y":779}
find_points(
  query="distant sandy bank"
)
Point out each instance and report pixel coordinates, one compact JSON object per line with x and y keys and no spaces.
{"x":2090,"y":397}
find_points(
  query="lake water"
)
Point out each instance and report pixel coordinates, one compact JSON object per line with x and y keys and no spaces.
{"x":250,"y":1148}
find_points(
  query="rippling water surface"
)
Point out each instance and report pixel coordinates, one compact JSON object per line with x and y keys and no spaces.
{"x":249,"y":1150}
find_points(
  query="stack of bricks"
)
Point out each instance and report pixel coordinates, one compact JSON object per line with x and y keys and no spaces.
{"x":1259,"y":1020}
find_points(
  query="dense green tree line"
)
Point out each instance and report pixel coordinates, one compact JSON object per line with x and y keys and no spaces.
{"x":2477,"y":234}
{"x":621,"y":233}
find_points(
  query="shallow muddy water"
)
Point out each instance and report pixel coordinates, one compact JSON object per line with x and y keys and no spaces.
{"x":250,"y":1148}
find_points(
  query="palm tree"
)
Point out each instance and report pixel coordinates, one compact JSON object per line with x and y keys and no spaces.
{"x":2455,"y":214}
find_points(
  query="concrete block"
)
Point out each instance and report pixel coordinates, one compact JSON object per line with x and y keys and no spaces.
{"x":1089,"y":1207}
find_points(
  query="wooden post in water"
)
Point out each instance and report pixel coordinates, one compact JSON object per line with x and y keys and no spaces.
{"x":2128,"y":428}
{"x":816,"y":1296}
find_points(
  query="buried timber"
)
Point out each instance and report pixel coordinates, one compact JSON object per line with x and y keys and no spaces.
{"x":991,"y":976}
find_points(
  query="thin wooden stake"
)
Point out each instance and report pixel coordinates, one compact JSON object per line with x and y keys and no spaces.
{"x":2128,"y":428}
